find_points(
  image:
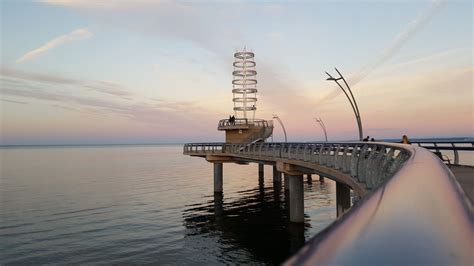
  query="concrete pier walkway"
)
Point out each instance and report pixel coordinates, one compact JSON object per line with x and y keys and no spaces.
{"x":465,"y":176}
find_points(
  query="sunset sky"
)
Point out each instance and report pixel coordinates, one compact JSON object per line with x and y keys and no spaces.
{"x":80,"y":72}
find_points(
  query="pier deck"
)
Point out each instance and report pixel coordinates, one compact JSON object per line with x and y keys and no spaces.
{"x":465,"y":176}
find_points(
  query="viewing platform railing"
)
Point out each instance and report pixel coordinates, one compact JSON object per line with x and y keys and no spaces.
{"x":226,"y":123}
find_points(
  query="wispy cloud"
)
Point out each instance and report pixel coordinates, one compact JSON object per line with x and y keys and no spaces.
{"x":75,"y":35}
{"x":107,"y":88}
{"x":12,"y":101}
{"x":15,"y":76}
{"x":197,"y":26}
{"x":158,"y":113}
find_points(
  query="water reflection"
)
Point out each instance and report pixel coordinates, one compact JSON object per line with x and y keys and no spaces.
{"x":126,"y":206}
{"x":255,"y":221}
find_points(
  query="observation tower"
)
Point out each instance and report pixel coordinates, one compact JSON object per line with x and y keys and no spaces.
{"x":244,"y":127}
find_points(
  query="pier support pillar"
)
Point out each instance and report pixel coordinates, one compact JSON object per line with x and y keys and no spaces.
{"x":218,"y":207}
{"x":276,"y":175}
{"x":217,"y":177}
{"x":296,"y":198}
{"x":309,"y":178}
{"x":287,"y":182}
{"x":321,"y":179}
{"x":260,"y":170}
{"x":343,"y":198}
{"x":296,"y":236}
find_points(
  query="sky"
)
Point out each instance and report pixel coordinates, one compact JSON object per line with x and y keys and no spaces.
{"x":110,"y":72}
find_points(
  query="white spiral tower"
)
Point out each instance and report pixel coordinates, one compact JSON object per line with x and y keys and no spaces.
{"x":244,"y":85}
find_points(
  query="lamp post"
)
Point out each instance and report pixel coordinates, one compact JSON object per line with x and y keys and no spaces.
{"x":281,"y":123}
{"x":351,"y":99}
{"x":321,"y":123}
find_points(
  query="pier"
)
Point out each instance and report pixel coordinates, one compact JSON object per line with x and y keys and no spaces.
{"x":402,"y":192}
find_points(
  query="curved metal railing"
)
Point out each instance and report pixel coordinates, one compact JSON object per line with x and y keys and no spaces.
{"x":370,"y":163}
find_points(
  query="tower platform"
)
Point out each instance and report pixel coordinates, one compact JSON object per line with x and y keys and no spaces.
{"x":243,"y":130}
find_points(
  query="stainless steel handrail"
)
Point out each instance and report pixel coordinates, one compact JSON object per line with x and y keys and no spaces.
{"x":454,"y":146}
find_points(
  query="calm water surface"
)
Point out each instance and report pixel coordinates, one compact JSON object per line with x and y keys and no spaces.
{"x":145,"y":204}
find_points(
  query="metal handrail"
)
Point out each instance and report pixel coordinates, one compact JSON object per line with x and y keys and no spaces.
{"x":453,"y":146}
{"x":245,"y":122}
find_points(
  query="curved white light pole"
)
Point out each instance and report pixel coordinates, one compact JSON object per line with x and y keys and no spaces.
{"x":281,"y":123}
{"x":321,"y":123}
{"x":351,"y":99}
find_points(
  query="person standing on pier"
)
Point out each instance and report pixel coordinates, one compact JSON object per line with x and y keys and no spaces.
{"x":405,"y":140}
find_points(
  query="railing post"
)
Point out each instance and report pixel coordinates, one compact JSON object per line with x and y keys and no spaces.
{"x":370,"y":167}
{"x":311,"y":153}
{"x":345,"y":160}
{"x":354,"y":161}
{"x":377,"y":171}
{"x":361,"y":163}
{"x":436,"y":147}
{"x":384,"y":169}
{"x":337,"y":158}
{"x":304,"y":152}
{"x":320,"y":155}
{"x":456,"y":155}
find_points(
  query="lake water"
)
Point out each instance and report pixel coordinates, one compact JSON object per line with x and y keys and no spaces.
{"x":146,"y":204}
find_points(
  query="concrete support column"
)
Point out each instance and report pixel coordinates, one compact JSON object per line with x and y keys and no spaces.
{"x":296,"y":199}
{"x":321,"y":179}
{"x":260,"y":170}
{"x":287,"y":182}
{"x":296,"y":236}
{"x":217,"y":177}
{"x":276,"y":175}
{"x":218,"y":207}
{"x":309,"y":178}
{"x":343,"y":198}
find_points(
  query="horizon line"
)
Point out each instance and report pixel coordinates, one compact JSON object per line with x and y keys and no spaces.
{"x":182,"y":143}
